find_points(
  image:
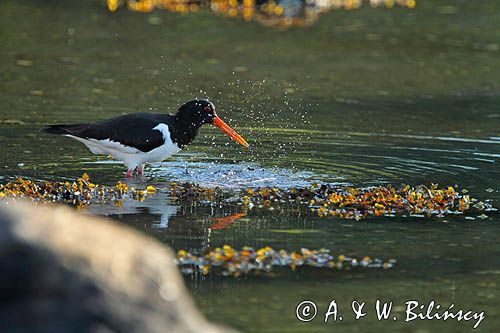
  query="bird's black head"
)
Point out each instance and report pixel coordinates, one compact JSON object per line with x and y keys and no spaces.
{"x":196,"y":113}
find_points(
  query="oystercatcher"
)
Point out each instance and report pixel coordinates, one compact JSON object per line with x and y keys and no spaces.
{"x":140,"y":138}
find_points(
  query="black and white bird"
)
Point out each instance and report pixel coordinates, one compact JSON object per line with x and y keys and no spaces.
{"x":140,"y":138}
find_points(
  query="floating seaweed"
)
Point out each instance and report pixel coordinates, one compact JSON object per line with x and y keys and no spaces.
{"x":269,"y":12}
{"x":230,"y":262}
{"x":321,"y":200}
{"x":349,"y":202}
{"x":81,"y":192}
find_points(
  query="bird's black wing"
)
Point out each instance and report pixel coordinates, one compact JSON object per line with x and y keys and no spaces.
{"x":133,"y":130}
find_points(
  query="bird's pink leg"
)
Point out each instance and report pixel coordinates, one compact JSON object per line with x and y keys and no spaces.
{"x":140,"y":170}
{"x":130,"y":173}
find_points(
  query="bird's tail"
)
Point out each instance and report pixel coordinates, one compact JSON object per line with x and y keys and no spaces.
{"x":56,"y":129}
{"x":72,"y":129}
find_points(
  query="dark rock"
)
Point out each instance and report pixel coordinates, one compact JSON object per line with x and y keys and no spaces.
{"x":64,"y":272}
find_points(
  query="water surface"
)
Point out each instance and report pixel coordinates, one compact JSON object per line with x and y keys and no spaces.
{"x":362,"y":98}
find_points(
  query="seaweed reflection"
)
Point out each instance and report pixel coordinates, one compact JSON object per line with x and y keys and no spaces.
{"x":281,"y":12}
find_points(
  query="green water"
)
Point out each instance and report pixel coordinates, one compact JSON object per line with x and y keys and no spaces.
{"x":362,"y":97}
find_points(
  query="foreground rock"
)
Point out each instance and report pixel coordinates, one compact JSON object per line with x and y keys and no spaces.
{"x":64,"y":272}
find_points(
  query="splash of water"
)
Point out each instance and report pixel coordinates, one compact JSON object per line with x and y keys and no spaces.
{"x":230,"y":176}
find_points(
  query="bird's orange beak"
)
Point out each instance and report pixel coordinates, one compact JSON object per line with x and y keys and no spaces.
{"x":229,"y":131}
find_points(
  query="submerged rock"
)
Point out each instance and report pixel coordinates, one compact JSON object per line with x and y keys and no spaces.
{"x":64,"y":272}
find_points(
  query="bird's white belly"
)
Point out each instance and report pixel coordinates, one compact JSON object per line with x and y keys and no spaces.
{"x":160,"y":153}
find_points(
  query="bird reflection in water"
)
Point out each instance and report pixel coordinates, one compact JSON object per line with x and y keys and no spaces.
{"x":168,"y":218}
{"x":226,"y":221}
{"x":156,"y":206}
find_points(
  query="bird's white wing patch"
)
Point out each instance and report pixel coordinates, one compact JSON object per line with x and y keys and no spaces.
{"x":167,"y":149}
{"x":163,"y":128}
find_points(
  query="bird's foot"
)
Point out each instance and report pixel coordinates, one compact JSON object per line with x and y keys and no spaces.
{"x":140,"y":170}
{"x":130,"y":173}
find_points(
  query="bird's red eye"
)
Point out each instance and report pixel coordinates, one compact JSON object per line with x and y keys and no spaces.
{"x":207,"y":108}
